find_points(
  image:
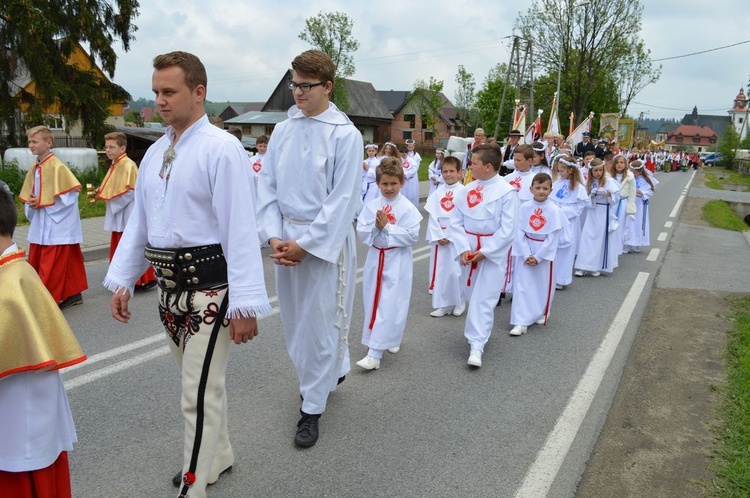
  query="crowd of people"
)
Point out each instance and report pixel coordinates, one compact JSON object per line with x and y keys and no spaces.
{"x":519,"y":220}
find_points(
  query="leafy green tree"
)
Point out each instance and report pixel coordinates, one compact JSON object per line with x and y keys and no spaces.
{"x":489,"y":98}
{"x":598,"y":43}
{"x":428,"y":100}
{"x":36,"y":41}
{"x":465,"y":95}
{"x":728,"y":146}
{"x":331,"y":32}
{"x":134,"y":117}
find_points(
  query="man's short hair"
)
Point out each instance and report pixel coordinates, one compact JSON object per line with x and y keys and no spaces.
{"x":315,"y":64}
{"x":390,"y":166}
{"x":8,"y":215}
{"x":43,"y":132}
{"x":191,"y":65}
{"x":489,"y":153}
{"x":541,"y":178}
{"x":118,"y":137}
{"x":589,"y":153}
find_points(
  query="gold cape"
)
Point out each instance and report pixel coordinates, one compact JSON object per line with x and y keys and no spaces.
{"x":55,"y":178}
{"x":120,"y":178}
{"x":33,"y":332}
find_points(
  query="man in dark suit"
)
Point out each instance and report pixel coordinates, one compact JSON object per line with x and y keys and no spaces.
{"x":507,"y":165}
{"x":585,"y":145}
{"x":599,"y":147}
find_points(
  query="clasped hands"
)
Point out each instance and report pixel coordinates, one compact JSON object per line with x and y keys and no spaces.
{"x":286,"y":252}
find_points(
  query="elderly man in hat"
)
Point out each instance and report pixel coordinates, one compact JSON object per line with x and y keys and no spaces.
{"x":585,"y":145}
{"x":513,"y":138}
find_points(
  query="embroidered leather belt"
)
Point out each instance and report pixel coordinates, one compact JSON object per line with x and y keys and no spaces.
{"x":188,"y":268}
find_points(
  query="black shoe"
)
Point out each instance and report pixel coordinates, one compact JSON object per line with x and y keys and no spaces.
{"x":307,"y":431}
{"x":145,"y":287}
{"x":341,"y":379}
{"x":177,"y":479}
{"x":71,"y":301}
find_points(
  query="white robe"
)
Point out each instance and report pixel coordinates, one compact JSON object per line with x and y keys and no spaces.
{"x":310,"y":192}
{"x":256,"y":163}
{"x":118,"y":211}
{"x":625,"y":206}
{"x":58,"y":224}
{"x":540,"y":225}
{"x":486,"y":220}
{"x":445,"y":270}
{"x":387,"y":273}
{"x":638,"y":231}
{"x":411,"y":169}
{"x":35,"y":418}
{"x":435,"y":175}
{"x":597,"y":250}
{"x":572,"y":203}
{"x":521,"y":182}
{"x":370,"y":188}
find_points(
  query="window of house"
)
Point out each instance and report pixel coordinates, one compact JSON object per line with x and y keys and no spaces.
{"x":269,"y":130}
{"x":679,"y":139}
{"x":713,"y":140}
{"x":407,"y":135}
{"x":54,"y":122}
{"x":740,"y":121}
{"x":424,"y":124}
{"x":696,"y":140}
{"x":411,"y":119}
{"x":428,"y":136}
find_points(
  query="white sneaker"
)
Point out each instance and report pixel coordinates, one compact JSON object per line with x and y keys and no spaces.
{"x":518,"y":330}
{"x":579,"y":273}
{"x":559,"y":286}
{"x":541,"y":321}
{"x":369,"y":363}
{"x":394,"y":350}
{"x":596,"y":273}
{"x":475,"y":358}
{"x":440,"y":312}
{"x":636,"y":249}
{"x":459,"y":310}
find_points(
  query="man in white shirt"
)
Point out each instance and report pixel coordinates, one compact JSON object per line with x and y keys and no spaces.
{"x":308,"y":196}
{"x":194,"y":216}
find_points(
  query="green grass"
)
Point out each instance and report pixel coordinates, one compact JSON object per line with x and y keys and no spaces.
{"x":721,"y":215}
{"x":423,"y":168}
{"x":732,"y":462}
{"x":717,"y":176}
{"x":86,"y":209}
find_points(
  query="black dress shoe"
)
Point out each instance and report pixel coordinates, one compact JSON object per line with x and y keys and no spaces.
{"x":307,"y":431}
{"x":177,"y":479}
{"x":71,"y":301}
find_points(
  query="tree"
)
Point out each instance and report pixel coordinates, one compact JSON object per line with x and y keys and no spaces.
{"x":489,"y":97}
{"x":36,"y":41}
{"x":331,"y":32}
{"x":728,"y":146}
{"x":595,"y":41}
{"x":428,"y":101}
{"x":465,"y":95}
{"x":637,"y":72}
{"x":134,"y":117}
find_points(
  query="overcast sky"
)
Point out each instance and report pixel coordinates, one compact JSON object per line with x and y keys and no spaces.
{"x":247,"y":45}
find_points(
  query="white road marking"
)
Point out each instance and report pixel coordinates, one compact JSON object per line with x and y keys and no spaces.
{"x":662,"y":236}
{"x":677,"y":205}
{"x":668,"y":224}
{"x":543,"y":471}
{"x":653,"y":254}
{"x":113,"y":369}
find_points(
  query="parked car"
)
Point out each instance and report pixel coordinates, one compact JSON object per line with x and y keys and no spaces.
{"x":712,"y":159}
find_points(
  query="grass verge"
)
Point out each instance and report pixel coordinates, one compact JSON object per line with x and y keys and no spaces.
{"x":732,"y":458}
{"x":721,"y":215}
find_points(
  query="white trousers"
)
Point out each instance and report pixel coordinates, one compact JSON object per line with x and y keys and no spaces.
{"x":189,"y":320}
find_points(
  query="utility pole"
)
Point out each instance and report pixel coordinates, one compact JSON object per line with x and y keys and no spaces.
{"x":522,"y":68}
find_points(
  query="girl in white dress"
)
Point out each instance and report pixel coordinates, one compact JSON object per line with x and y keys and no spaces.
{"x":625,"y":209}
{"x":639,"y":231}
{"x":435,"y":175}
{"x":369,"y":185}
{"x":570,"y":194}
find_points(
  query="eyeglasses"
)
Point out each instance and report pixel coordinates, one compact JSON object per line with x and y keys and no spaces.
{"x":305,"y":87}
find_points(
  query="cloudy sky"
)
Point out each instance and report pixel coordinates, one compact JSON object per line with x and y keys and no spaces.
{"x":247,"y":45}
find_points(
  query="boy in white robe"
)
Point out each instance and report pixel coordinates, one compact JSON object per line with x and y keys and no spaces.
{"x":445,"y":272}
{"x":261,"y":143}
{"x":483,"y":230}
{"x":540,"y":224}
{"x":390,"y":226}
{"x":308,"y":225}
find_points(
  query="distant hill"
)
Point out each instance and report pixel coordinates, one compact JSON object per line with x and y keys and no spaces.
{"x":214,"y":108}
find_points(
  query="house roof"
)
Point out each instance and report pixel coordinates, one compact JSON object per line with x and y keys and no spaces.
{"x":718,"y":124}
{"x":393,"y":99}
{"x":704,"y":134}
{"x":258,"y":118}
{"x":364,"y":103}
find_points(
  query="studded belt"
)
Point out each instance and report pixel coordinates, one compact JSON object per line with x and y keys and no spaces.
{"x":188,"y":268}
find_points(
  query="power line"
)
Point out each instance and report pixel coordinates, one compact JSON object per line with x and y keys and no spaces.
{"x":701,"y":52}
{"x":675,"y":108}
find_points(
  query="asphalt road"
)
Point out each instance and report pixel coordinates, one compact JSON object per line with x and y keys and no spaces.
{"x":423,"y":425}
